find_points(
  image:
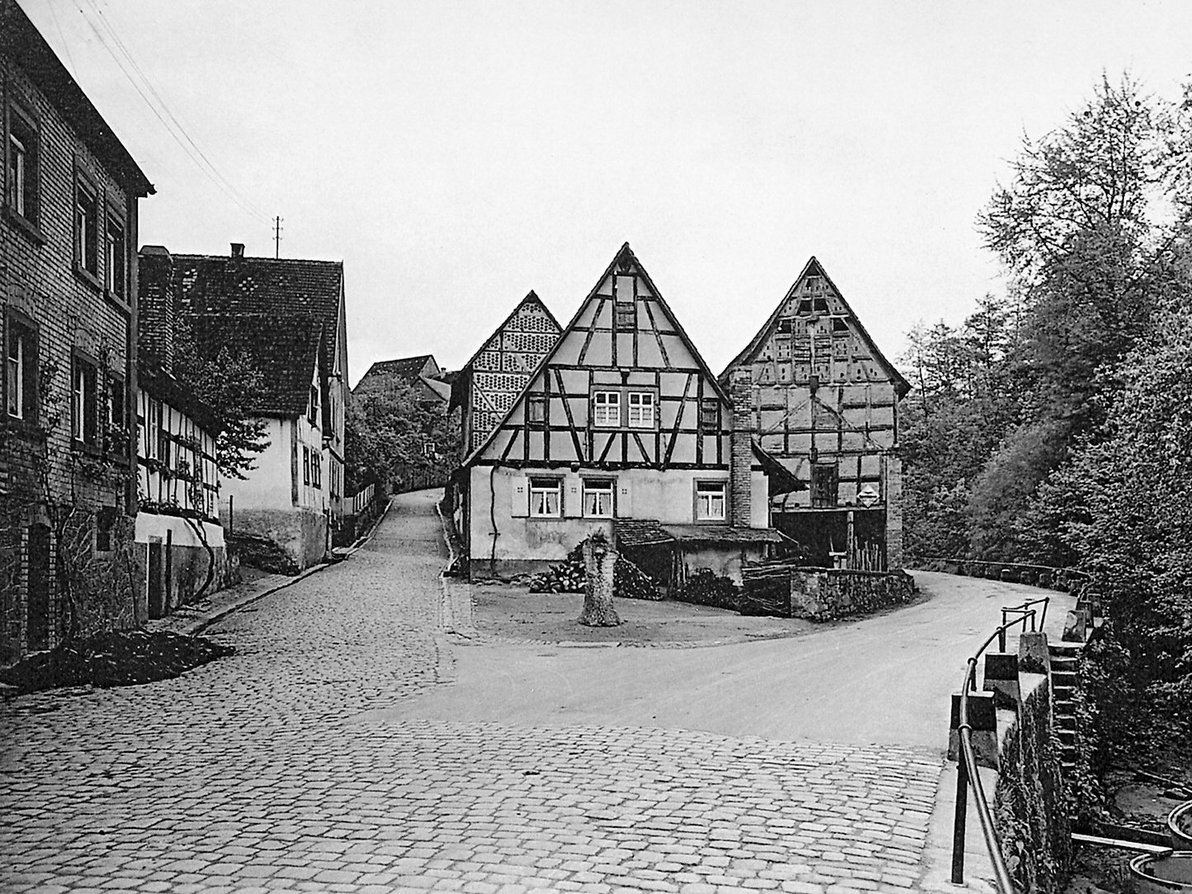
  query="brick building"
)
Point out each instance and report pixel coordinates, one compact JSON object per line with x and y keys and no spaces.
{"x":68,"y":285}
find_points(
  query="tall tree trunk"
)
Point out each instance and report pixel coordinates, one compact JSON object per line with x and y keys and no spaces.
{"x":600,"y":561}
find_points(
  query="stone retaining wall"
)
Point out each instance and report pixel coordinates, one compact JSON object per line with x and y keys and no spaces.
{"x":1030,"y":803}
{"x":821,"y":594}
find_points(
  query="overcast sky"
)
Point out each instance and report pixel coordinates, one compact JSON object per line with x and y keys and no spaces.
{"x":457,"y":154}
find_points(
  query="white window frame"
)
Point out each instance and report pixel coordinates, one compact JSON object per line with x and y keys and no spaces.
{"x":707,"y":495}
{"x":606,"y":409}
{"x":599,"y":497}
{"x":638,"y":404}
{"x":86,"y":224}
{"x":115,"y":257}
{"x":15,"y":363}
{"x":19,"y":167}
{"x":542,"y":489}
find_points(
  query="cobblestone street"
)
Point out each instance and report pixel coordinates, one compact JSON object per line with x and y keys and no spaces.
{"x":271,"y":770}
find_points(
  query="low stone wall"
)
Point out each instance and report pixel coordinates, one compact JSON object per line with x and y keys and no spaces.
{"x":821,"y":594}
{"x":1030,"y":802}
{"x":284,"y":542}
{"x":1062,"y":579}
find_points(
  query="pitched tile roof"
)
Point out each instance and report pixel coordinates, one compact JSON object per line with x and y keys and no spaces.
{"x":404,"y":369}
{"x":227,"y":284}
{"x":285,"y":350}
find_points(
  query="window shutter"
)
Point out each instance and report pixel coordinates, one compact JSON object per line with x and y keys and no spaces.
{"x":573,"y":498}
{"x":623,"y":505}
{"x":519,"y":506}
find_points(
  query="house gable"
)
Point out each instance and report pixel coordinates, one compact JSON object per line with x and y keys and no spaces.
{"x":622,"y":387}
{"x":814,"y":332}
{"x":498,"y":372}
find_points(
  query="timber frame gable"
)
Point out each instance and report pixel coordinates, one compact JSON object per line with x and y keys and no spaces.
{"x":490,"y":382}
{"x":825,"y":406}
{"x":622,"y":387}
{"x":813,"y":295}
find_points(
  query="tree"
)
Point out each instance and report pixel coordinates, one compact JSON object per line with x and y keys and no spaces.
{"x":226,"y":382}
{"x":392,"y":436}
{"x":600,"y":565}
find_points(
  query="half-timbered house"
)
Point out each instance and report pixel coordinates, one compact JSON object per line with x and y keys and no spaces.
{"x":826,"y":406}
{"x":488,"y":384}
{"x":622,"y":419}
{"x":179,"y":537}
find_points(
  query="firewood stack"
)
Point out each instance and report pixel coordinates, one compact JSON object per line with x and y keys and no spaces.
{"x":568,"y":576}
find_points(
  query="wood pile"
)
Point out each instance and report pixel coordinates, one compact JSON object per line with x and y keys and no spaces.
{"x":569,"y":576}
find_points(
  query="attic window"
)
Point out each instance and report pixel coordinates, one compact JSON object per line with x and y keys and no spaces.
{"x":709,"y":414}
{"x":624,"y":301}
{"x":536,"y":410}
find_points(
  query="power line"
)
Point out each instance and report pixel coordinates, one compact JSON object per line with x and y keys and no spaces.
{"x":172,"y":125}
{"x":65,"y":45}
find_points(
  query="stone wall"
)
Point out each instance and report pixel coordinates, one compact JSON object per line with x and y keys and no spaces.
{"x":284,"y":542}
{"x":821,"y":594}
{"x":1030,"y":804}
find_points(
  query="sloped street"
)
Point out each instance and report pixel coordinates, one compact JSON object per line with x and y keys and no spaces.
{"x":352,"y":745}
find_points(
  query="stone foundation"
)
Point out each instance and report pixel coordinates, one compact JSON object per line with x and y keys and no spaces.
{"x":281,"y":541}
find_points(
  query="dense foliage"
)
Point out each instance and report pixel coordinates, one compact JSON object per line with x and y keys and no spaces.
{"x":394,"y":438}
{"x":1055,"y":426}
{"x":227,"y":383}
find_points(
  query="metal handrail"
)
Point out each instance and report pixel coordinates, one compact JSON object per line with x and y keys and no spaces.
{"x":1024,"y":609}
{"x":967,"y":773}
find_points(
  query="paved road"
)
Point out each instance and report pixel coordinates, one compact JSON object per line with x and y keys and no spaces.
{"x":884,"y":680}
{"x":303,"y":764}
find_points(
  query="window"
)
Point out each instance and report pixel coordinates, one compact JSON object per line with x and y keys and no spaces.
{"x":85,"y":225}
{"x":115,"y":278}
{"x":606,"y":409}
{"x":316,"y":468}
{"x":598,"y":498}
{"x":312,"y":414}
{"x":83,"y":410}
{"x":117,"y":437}
{"x":23,"y":148}
{"x":641,"y":409}
{"x":709,"y":500}
{"x":709,"y":414}
{"x":546,"y":497}
{"x":536,"y":409}
{"x":624,"y":301}
{"x":105,"y":520}
{"x":20,"y":370}
{"x":825,"y":485}
{"x":306,"y":465}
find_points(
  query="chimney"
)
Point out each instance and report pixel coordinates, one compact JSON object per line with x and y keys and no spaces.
{"x":157,"y":306}
{"x":237,"y":249}
{"x":741,"y":448}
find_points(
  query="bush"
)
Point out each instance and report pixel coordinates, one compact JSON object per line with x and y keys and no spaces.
{"x":706,"y":588}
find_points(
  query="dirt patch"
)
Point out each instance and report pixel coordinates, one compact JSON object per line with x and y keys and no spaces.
{"x":112,"y":659}
{"x":512,"y":612}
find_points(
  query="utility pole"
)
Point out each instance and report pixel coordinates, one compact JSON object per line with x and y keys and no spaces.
{"x":277,"y":237}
